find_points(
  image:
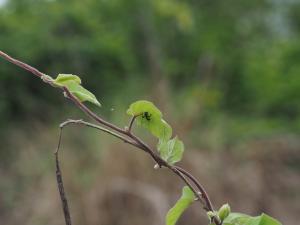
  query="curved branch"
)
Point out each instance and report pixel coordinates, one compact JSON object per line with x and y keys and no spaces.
{"x":71,"y":121}
{"x":137,"y":142}
{"x":208,"y":205}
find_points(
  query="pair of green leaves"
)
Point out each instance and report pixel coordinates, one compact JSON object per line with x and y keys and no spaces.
{"x":73,"y":84}
{"x":150,"y":117}
{"x":242,"y":219}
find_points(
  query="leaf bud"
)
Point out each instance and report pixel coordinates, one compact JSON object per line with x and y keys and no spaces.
{"x":224,"y":211}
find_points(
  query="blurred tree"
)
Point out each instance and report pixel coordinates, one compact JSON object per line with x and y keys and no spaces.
{"x":232,"y":50}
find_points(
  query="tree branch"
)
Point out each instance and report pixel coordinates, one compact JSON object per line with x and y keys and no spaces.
{"x":133,"y":140}
{"x":60,"y":184}
{"x":81,"y":122}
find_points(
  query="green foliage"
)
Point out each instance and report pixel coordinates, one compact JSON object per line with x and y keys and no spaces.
{"x":150,"y":117}
{"x":242,"y":219}
{"x":172,"y":150}
{"x":73,"y":84}
{"x":186,"y":199}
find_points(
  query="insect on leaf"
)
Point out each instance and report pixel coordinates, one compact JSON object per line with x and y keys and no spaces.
{"x":139,"y":107}
{"x":150,"y":117}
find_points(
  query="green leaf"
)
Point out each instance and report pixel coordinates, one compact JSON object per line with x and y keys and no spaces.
{"x":150,"y":117}
{"x":172,"y":150}
{"x":61,"y":78}
{"x":186,"y":199}
{"x":73,"y":84}
{"x":236,"y":219}
{"x":160,"y":129}
{"x":263,"y":219}
{"x":242,"y":219}
{"x":139,"y":107}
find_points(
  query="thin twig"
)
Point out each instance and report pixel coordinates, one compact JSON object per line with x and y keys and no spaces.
{"x":204,"y":195}
{"x":21,"y":64}
{"x":182,"y":176}
{"x":60,"y":184}
{"x":131,"y":123}
{"x":91,"y":114}
{"x":81,"y":122}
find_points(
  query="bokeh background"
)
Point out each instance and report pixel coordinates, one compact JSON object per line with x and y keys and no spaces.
{"x":226,"y":75}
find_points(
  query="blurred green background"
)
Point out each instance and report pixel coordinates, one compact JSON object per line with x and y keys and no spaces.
{"x":226,"y":74}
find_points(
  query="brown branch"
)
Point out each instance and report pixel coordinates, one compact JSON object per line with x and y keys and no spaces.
{"x":131,"y":123}
{"x":208,"y":205}
{"x":91,"y":114}
{"x":21,"y":64}
{"x":81,"y":122}
{"x":137,"y":142}
{"x":60,"y":184}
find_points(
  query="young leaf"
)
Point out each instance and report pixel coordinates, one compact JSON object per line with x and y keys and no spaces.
{"x":172,"y":150}
{"x":61,"y":78}
{"x":242,"y":219}
{"x":263,"y":219}
{"x":224,"y":211}
{"x":73,"y":84}
{"x":160,"y":129}
{"x":149,"y":117}
{"x":139,"y":107}
{"x":186,"y":199}
{"x":236,"y":219}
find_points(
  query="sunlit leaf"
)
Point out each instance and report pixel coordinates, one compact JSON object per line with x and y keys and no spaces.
{"x":236,"y":219}
{"x":263,"y":219}
{"x":142,"y":106}
{"x":186,"y":199}
{"x":62,"y":78}
{"x":150,"y":117}
{"x":73,"y":84}
{"x":172,"y":150}
{"x":242,"y":219}
{"x":224,"y":211}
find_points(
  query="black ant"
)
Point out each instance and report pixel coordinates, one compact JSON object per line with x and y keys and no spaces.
{"x":147,"y":116}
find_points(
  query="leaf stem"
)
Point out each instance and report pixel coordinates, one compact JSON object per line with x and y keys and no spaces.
{"x":131,"y":123}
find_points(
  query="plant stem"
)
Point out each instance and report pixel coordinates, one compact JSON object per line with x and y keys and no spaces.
{"x":208,"y":206}
{"x":71,"y":121}
{"x":60,"y":184}
{"x":133,"y":139}
{"x":131,"y":123}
